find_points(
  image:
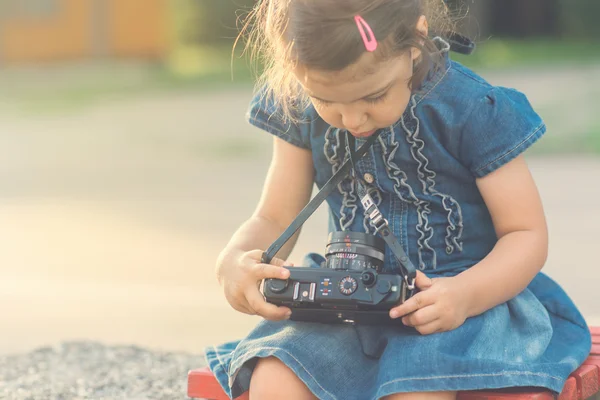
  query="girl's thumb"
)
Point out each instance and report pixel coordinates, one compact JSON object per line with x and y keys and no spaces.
{"x":280,"y":263}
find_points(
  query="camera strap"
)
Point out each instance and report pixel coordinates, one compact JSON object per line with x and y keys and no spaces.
{"x":409,"y":272}
{"x":316,"y":201}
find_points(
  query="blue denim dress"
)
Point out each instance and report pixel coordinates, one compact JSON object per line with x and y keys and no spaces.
{"x":456,"y":128}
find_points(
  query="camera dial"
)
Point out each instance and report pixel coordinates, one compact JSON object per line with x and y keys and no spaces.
{"x":348,"y":285}
{"x":277,"y":285}
{"x":368,"y":278}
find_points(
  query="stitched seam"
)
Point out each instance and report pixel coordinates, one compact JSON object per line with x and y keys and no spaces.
{"x":515,"y":148}
{"x":220,"y":365}
{"x":507,"y":373}
{"x":256,"y":351}
{"x":217,"y":355}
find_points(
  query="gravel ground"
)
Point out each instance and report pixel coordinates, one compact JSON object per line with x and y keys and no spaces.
{"x":88,"y":370}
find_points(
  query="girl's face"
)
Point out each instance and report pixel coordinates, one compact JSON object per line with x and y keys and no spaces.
{"x":365,"y":96}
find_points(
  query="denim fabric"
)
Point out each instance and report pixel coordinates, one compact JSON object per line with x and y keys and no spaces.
{"x":456,"y":128}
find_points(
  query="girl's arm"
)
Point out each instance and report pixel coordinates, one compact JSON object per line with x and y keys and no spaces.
{"x":239,"y":268}
{"x":286,"y":191}
{"x":514,"y":203}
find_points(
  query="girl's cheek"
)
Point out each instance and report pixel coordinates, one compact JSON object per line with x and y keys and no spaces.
{"x":328,"y":116}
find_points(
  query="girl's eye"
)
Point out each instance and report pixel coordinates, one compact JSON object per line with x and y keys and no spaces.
{"x":320,"y":102}
{"x":375,"y":100}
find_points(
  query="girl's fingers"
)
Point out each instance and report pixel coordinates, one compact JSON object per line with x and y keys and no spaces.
{"x":428,"y":329}
{"x":266,"y":271}
{"x":422,"y":316}
{"x":279,"y":262}
{"x":264,"y":309}
{"x":243,"y":309}
{"x":419,"y":300}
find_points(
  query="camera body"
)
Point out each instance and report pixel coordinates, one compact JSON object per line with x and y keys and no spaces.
{"x":330,"y":296}
{"x":348,"y":288}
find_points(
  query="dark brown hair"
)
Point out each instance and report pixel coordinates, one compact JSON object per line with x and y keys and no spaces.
{"x":322,"y":34}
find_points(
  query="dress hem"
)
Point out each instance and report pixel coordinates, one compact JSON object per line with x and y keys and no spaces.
{"x":459,"y":382}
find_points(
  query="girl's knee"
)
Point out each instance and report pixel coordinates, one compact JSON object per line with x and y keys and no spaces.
{"x":422,"y":396}
{"x":272,"y":379}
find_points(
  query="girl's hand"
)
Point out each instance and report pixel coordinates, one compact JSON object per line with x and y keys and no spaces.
{"x":241,"y":273}
{"x":440,"y":306}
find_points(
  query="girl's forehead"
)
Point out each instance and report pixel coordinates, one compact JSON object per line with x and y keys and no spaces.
{"x":355,"y":81}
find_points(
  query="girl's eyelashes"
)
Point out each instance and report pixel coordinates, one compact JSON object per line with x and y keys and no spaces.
{"x":322,"y":103}
{"x":375,"y":100}
{"x":370,"y":100}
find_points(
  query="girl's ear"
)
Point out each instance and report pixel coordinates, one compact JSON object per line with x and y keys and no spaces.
{"x":423,"y":29}
{"x":423,"y":26}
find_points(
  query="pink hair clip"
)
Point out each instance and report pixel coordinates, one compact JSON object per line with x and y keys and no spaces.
{"x":364,"y":29}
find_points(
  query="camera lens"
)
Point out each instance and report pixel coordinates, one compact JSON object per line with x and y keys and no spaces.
{"x":354,"y":251}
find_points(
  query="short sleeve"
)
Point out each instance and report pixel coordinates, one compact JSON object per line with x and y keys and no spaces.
{"x":502,"y":125}
{"x":265,"y":114}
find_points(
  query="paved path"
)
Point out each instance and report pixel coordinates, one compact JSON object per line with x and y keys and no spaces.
{"x":112,"y":218}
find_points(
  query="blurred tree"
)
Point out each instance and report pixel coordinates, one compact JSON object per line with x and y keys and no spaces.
{"x":214,"y":21}
{"x":579,"y":18}
{"x":201,"y":30}
{"x":528,"y":18}
{"x":482,"y":18}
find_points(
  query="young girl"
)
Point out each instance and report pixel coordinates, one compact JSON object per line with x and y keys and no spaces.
{"x":446,"y":171}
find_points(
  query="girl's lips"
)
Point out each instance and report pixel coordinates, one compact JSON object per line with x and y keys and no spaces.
{"x":363,"y":134}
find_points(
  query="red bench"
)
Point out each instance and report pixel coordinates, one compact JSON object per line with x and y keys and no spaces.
{"x":582,"y":384}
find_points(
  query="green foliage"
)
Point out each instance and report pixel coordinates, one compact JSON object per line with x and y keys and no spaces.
{"x":214,"y":21}
{"x":503,"y":53}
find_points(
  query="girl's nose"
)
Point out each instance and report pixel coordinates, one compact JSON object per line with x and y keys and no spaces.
{"x":354,"y":120}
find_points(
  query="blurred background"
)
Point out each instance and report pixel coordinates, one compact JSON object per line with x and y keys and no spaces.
{"x":126,"y":163}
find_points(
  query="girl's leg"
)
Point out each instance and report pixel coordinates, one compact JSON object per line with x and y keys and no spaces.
{"x":422,"y":396}
{"x":273,"y":380}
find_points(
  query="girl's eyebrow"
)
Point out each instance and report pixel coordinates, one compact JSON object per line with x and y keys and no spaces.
{"x":378,"y":91}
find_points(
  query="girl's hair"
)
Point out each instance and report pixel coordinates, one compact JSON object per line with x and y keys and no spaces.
{"x":323,"y":34}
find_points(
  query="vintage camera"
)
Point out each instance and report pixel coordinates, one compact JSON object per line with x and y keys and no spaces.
{"x":350,"y":286}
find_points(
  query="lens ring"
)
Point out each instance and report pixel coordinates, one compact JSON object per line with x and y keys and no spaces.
{"x":356,"y":237}
{"x":354,"y":251}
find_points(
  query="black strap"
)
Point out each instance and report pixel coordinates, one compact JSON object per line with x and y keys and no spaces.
{"x":409,"y":272}
{"x":312,"y":206}
{"x":459,"y":43}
